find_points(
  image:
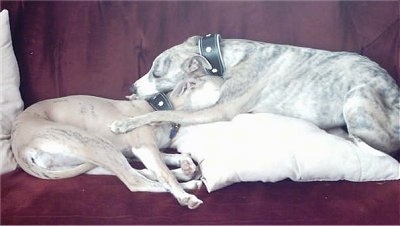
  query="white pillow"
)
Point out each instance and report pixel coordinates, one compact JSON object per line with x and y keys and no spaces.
{"x":10,"y":98}
{"x":269,"y":148}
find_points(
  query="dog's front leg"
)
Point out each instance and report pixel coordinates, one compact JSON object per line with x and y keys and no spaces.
{"x":228,"y":107}
{"x":180,"y":117}
{"x":219,"y":112}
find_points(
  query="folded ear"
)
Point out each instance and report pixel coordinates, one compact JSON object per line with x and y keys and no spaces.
{"x":194,"y":40}
{"x":196,"y":63}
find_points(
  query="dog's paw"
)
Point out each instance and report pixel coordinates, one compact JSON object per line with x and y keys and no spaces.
{"x":191,"y":201}
{"x":119,"y":126}
{"x":194,"y":202}
{"x":187,"y":165}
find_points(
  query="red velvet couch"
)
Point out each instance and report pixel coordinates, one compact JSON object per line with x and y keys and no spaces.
{"x":101,"y":47}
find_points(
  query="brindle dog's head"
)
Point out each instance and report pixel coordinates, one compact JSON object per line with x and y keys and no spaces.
{"x":172,"y":67}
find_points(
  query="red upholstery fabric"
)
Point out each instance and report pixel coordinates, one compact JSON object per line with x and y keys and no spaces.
{"x":101,"y":47}
{"x":105,"y":200}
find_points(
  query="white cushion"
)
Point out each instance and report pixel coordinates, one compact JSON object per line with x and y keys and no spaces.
{"x":269,"y":148}
{"x":10,"y":99}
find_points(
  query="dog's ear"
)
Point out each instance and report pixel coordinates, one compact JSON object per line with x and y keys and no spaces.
{"x":196,"y":63}
{"x":194,"y":40}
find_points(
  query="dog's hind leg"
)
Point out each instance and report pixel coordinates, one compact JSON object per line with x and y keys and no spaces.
{"x":372,"y":118}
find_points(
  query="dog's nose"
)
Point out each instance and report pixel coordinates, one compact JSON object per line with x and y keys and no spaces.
{"x":133,"y":88}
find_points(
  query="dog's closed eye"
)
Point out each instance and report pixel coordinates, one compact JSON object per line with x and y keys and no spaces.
{"x":157,"y":74}
{"x":160,"y":67}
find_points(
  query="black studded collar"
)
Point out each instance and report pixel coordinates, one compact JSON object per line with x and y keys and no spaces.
{"x":210,"y":49}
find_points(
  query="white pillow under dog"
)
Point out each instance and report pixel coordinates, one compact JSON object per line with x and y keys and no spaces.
{"x":269,"y":148}
{"x":10,"y":98}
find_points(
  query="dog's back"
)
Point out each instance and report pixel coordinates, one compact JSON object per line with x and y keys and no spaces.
{"x":89,"y":113}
